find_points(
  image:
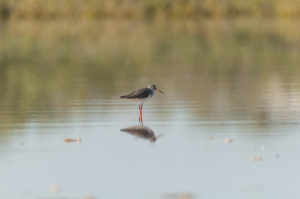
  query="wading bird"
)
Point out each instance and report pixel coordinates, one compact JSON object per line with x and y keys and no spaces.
{"x":141,"y":96}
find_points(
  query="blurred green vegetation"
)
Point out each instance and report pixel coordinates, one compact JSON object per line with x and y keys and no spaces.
{"x":147,"y":8}
{"x":44,"y":66}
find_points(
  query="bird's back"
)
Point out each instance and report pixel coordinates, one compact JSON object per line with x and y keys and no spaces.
{"x":139,"y":94}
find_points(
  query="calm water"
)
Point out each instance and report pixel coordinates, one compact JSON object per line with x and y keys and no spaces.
{"x":224,"y":81}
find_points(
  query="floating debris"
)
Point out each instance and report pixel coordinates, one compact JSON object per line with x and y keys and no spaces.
{"x":54,"y":189}
{"x":78,"y":140}
{"x":262,"y":148}
{"x":89,"y":197}
{"x":228,"y":141}
{"x":211,"y":137}
{"x":256,"y":158}
{"x":179,"y":196}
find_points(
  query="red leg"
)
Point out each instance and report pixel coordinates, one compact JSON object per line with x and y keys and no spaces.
{"x":142,"y":112}
{"x":141,"y":117}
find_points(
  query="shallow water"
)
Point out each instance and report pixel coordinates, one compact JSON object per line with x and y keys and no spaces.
{"x":223,"y":81}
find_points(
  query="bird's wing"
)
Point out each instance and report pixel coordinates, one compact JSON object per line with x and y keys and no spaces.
{"x":141,"y":93}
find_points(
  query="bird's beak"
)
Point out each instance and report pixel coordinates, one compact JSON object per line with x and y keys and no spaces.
{"x":160,"y":91}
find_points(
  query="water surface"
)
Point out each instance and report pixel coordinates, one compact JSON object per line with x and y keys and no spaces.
{"x":223,"y":80}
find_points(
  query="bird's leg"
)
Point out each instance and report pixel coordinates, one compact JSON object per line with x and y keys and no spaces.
{"x":140,"y":112}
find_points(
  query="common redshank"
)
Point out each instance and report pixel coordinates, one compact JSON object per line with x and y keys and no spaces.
{"x":141,"y":96}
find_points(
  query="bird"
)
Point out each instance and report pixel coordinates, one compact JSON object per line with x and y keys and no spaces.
{"x":142,"y":95}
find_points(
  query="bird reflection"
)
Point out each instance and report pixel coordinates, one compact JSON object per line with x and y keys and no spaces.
{"x":141,"y":131}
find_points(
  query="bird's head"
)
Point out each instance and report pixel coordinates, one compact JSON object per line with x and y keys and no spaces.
{"x":154,"y":88}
